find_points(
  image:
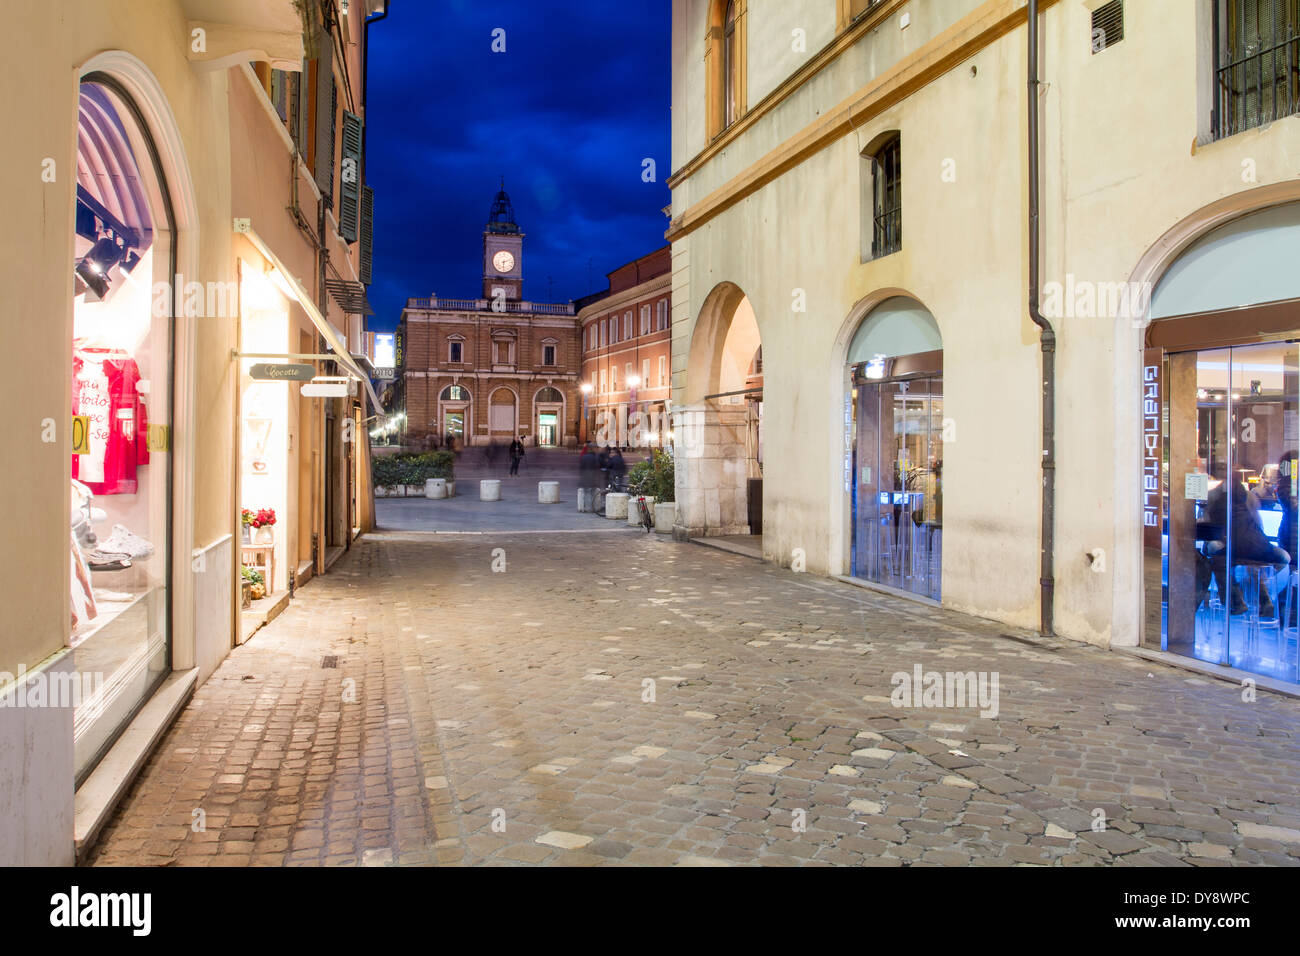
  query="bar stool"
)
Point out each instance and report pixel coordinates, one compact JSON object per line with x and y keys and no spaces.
{"x":1258,"y":574}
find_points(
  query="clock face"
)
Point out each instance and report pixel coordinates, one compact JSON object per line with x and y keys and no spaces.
{"x":503,"y":261}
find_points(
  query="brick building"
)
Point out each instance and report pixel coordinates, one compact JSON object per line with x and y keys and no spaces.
{"x":483,"y":370}
{"x":626,"y":339}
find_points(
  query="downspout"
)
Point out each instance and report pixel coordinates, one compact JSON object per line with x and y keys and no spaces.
{"x":365,"y":81}
{"x":1047,"y":340}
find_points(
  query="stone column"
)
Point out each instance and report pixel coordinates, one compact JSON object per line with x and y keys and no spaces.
{"x":710,"y":464}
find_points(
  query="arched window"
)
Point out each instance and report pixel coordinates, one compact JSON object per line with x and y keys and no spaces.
{"x":725,"y":65}
{"x":454,"y":393}
{"x":549,"y":394}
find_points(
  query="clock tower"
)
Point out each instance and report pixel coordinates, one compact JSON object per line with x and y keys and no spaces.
{"x":503,"y":252}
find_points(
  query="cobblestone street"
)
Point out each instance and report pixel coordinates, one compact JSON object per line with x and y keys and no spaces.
{"x":626,"y":699}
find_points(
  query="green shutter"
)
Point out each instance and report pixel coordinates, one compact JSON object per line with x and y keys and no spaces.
{"x":350,"y":177}
{"x":367,"y":232}
{"x":326,"y":104}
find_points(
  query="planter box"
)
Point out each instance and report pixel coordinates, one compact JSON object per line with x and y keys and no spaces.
{"x":634,"y":510}
{"x":665,"y":514}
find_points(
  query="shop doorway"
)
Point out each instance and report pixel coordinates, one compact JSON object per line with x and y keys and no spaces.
{"x":1220,"y":439}
{"x":1230,"y":533}
{"x":894,"y":450}
{"x":548,"y":429}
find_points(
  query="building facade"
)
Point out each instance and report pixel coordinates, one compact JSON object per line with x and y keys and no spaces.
{"x":858,"y":176}
{"x":626,"y":340}
{"x":181,"y":152}
{"x":485,"y":370}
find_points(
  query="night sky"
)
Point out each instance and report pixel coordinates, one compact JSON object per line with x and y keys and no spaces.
{"x":567,"y":114}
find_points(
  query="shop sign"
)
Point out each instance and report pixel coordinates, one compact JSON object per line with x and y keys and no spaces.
{"x":325,"y":390}
{"x":81,"y":434}
{"x":159,"y":438}
{"x":1152,"y":448}
{"x":385,"y":373}
{"x":293,"y":372}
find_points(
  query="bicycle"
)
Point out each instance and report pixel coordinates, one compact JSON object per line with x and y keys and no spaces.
{"x":647,"y":519}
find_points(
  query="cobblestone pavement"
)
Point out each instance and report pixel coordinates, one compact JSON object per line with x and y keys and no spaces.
{"x":506,"y":718}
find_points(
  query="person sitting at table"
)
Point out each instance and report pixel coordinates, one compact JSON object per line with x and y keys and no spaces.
{"x":1249,"y":542}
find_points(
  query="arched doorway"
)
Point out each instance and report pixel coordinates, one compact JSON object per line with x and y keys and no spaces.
{"x":1220,"y":437}
{"x":502,"y":415}
{"x":894,"y":458}
{"x":718,"y":433}
{"x":455,"y":409}
{"x":548,"y":412}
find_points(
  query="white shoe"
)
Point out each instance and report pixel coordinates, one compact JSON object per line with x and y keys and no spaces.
{"x":122,"y":541}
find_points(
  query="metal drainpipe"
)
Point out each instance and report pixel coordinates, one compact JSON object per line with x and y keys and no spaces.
{"x":365,"y":81}
{"x":1047,"y":339}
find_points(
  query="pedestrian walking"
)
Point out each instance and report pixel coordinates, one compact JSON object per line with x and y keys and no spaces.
{"x":516,"y":456}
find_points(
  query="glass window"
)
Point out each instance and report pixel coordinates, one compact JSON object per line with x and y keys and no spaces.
{"x":455,"y":356}
{"x":663,"y":370}
{"x":548,"y":354}
{"x":627,"y":325}
{"x":887,"y":199}
{"x":1229,"y":505}
{"x":121,"y":400}
{"x":1257,"y":79}
{"x":729,"y":64}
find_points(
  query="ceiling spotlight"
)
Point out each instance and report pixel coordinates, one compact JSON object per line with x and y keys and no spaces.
{"x":94,"y":266}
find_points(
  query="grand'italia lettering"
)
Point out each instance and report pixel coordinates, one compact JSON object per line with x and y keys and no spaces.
{"x":1152,"y":415}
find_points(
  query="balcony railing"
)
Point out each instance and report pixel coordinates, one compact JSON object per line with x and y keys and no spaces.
{"x":491,"y":305}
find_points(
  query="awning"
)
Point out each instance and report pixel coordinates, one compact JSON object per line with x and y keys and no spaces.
{"x":331,"y":335}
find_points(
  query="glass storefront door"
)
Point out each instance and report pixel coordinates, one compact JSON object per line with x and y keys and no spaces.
{"x":547,"y":428}
{"x":898,"y":483}
{"x":1230,"y":537}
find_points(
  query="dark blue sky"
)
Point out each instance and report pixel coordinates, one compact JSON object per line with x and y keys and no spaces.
{"x":567,"y":114}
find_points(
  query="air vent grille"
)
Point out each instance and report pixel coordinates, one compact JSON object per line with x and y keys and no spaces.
{"x":1107,"y":25}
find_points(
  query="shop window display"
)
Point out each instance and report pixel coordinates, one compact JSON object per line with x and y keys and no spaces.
{"x":121,"y":397}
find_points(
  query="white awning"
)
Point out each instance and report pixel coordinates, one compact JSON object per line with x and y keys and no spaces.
{"x":332,"y":339}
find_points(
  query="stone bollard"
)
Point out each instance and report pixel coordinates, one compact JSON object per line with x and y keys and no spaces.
{"x":616,"y":505}
{"x":598,"y":500}
{"x":634,"y":510}
{"x":435,"y":488}
{"x":548,"y":492}
{"x":584,"y":499}
{"x":489,"y":489}
{"x":665,"y":514}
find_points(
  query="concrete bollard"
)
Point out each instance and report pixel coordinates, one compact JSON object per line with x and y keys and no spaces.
{"x":598,"y":500}
{"x":489,"y":489}
{"x":584,"y":499}
{"x":616,"y":505}
{"x":435,"y":488}
{"x":548,"y":492}
{"x":665,"y":515}
{"x":634,"y":510}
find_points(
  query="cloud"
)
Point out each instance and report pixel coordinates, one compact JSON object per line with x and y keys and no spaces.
{"x":567,"y":114}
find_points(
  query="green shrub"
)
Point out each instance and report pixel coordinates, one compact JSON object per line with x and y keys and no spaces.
{"x":653,"y":477}
{"x":412,"y":469}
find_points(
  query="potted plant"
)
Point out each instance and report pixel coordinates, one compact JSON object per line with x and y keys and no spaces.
{"x":253,"y":584}
{"x":262,"y":521}
{"x":654,"y":479}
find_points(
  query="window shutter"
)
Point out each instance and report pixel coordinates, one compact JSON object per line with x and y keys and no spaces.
{"x":326,"y":103}
{"x":367,"y":232}
{"x":349,"y":177}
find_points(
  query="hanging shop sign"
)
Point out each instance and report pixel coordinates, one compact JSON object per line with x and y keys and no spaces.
{"x":159,"y":438}
{"x":81,"y":434}
{"x":292,"y":372}
{"x":324,"y":387}
{"x":385,"y":373}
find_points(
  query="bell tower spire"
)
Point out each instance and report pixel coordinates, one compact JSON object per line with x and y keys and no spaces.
{"x":503,"y":251}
